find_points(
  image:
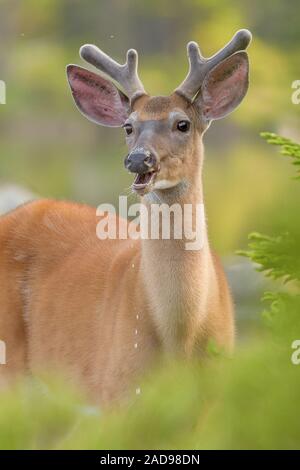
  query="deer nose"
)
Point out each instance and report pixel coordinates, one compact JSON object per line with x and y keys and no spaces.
{"x":140,"y":161}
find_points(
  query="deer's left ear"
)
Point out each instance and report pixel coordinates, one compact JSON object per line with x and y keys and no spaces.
{"x":224,"y":87}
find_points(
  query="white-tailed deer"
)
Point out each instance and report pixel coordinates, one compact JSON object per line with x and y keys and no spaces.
{"x":100,"y":310}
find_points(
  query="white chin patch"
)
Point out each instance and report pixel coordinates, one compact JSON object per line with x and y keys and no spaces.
{"x":164,"y":184}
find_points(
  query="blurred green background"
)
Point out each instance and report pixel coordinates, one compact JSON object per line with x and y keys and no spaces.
{"x":47,"y":147}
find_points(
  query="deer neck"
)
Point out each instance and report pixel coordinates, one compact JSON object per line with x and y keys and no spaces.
{"x":175,"y":277}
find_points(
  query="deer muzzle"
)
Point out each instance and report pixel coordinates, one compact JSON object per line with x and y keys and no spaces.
{"x":140,"y":161}
{"x":144,"y":164}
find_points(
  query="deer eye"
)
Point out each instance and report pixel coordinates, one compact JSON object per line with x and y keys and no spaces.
{"x":128,"y":129}
{"x":183,"y":126}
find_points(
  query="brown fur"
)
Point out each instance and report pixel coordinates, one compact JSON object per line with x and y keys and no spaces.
{"x":72,"y":302}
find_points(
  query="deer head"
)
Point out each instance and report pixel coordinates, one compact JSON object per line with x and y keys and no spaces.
{"x":163,"y":134}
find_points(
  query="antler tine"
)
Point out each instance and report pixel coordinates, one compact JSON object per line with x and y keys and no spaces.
{"x":125,"y":75}
{"x":200,"y":66}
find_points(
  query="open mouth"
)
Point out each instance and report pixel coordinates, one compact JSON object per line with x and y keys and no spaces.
{"x":142,"y":182}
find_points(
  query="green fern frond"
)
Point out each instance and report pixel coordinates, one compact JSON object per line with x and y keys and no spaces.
{"x":277,"y":257}
{"x":288,"y":148}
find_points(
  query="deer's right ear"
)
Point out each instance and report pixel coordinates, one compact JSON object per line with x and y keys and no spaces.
{"x":97,"y":99}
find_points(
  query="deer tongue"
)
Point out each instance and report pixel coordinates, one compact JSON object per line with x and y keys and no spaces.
{"x":142,"y":181}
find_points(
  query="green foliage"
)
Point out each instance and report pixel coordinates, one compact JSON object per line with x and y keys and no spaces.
{"x":278,"y":257}
{"x":249,"y":402}
{"x":287,"y":147}
{"x":283,"y":309}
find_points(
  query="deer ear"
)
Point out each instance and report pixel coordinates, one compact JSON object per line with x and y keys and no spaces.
{"x":224,"y":87}
{"x":98,"y":99}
